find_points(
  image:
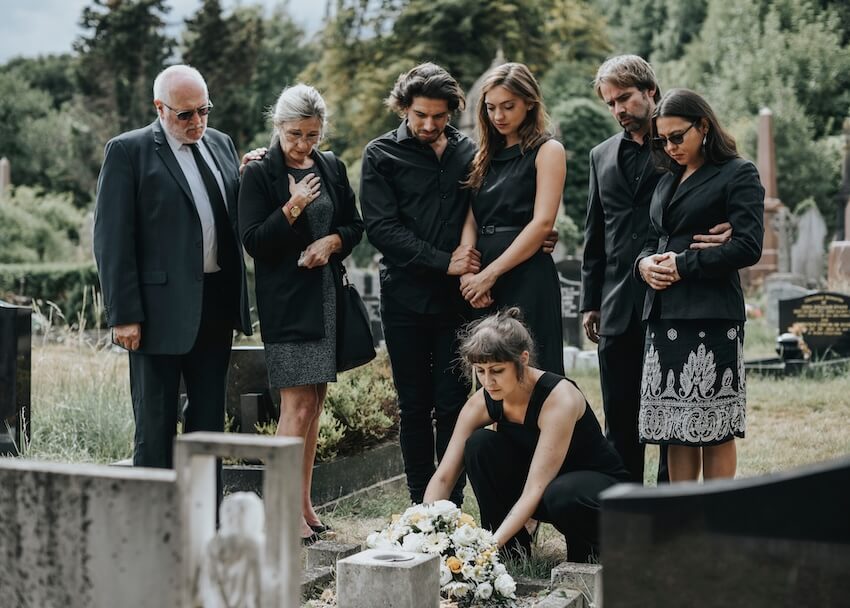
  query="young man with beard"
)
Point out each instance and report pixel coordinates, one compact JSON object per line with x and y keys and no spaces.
{"x":414,"y":207}
{"x":622,"y":181}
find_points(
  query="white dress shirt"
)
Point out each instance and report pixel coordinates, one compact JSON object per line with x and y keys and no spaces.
{"x":184,"y":156}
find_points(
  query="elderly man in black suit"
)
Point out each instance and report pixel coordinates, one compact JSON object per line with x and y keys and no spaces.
{"x":170,"y":263}
{"x":622,"y":180}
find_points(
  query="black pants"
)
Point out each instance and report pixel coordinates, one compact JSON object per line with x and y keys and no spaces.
{"x":431,"y":388}
{"x":155,"y":384}
{"x":498,"y":471}
{"x":620,"y":372}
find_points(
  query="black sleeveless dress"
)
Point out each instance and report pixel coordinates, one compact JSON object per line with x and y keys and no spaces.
{"x":588,"y":451}
{"x":502,"y":208}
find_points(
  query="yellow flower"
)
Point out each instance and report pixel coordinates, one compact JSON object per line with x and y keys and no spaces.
{"x":396,"y":517}
{"x":466,"y":518}
{"x":454,"y":564}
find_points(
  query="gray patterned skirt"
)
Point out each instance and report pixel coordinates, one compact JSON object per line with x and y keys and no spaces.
{"x":693,"y":391}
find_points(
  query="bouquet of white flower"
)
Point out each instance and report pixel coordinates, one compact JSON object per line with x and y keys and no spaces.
{"x":470,"y":571}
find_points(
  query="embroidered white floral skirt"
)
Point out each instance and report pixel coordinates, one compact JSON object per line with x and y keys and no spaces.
{"x":693,"y":390}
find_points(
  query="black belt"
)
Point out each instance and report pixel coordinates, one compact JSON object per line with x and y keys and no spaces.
{"x":497,"y":229}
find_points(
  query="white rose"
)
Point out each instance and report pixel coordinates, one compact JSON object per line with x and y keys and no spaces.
{"x":499,"y":570}
{"x":445,"y":509}
{"x":467,"y":571}
{"x":413,"y":542}
{"x":465,"y":536}
{"x":372,"y":540}
{"x":484,"y":591}
{"x":445,"y":575}
{"x":425,"y":525}
{"x":505,"y":585}
{"x":396,"y":533}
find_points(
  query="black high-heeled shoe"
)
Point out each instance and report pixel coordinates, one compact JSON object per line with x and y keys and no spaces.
{"x":306,"y":541}
{"x":319,"y":528}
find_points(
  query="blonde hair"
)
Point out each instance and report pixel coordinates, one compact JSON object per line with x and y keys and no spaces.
{"x":516,"y":78}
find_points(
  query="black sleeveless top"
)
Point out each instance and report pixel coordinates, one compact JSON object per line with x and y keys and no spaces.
{"x":588,"y":451}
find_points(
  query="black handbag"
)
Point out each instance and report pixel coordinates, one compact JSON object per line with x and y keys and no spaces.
{"x":354,"y":343}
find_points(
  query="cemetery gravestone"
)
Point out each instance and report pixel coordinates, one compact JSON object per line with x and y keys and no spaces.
{"x":570,"y":315}
{"x":775,"y":541}
{"x":807,"y":252}
{"x":15,"y":375}
{"x":823,"y":320}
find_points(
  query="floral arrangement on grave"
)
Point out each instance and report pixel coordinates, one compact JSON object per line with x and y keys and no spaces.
{"x":470,"y":571}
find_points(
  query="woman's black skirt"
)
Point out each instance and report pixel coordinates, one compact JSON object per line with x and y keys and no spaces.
{"x":693,"y":390}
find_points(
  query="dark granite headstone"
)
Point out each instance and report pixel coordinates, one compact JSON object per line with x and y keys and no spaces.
{"x":775,"y":541}
{"x":570,"y":315}
{"x":248,"y":376}
{"x":824,"y":320}
{"x":15,"y":375}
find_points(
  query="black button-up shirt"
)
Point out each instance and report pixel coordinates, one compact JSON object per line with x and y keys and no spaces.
{"x":414,"y":207}
{"x":634,"y":158}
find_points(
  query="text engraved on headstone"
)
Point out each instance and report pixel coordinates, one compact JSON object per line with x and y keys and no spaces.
{"x":823,"y":319}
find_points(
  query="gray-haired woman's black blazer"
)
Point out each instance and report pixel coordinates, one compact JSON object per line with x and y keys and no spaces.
{"x":710,"y":287}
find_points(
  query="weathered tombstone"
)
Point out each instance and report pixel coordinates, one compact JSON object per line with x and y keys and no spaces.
{"x":769,"y":261}
{"x":807,"y":252}
{"x":5,"y":176}
{"x":838,"y":273}
{"x":822,"y":318}
{"x":570,"y":315}
{"x":94,"y":536}
{"x":15,"y":376}
{"x":195,"y":465}
{"x":373,"y":308}
{"x":775,"y":541}
{"x":780,"y":286}
{"x":377,"y":578}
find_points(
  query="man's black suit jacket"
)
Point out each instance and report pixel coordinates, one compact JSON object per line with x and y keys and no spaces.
{"x":148,"y":243}
{"x":615,"y":231}
{"x":710,"y":287}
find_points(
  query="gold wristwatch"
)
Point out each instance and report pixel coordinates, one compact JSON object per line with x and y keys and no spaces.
{"x":294,"y":211}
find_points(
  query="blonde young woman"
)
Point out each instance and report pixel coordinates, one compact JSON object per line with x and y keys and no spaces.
{"x":517,"y":177}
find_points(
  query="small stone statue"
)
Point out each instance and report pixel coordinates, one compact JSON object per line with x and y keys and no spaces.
{"x":230,"y":574}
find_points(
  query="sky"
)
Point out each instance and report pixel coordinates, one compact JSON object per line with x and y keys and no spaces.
{"x":38,"y":27}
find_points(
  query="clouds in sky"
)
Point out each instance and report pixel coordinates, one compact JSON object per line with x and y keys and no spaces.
{"x":31,"y":28}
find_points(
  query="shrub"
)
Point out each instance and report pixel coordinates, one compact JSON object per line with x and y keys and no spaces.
{"x":360,"y":411}
{"x":72,"y":288}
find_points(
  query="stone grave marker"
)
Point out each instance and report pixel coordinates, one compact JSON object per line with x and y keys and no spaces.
{"x":823,"y":319}
{"x":570,"y":315}
{"x":776,"y":541}
{"x":807,"y":252}
{"x":15,"y":375}
{"x":5,"y":176}
{"x":781,"y":286}
{"x":377,"y":578}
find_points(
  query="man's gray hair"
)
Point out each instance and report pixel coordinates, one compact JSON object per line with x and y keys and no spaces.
{"x":297,"y":103}
{"x":163,"y":80}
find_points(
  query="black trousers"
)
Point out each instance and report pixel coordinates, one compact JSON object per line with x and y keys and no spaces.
{"x":155,"y":383}
{"x":430,"y":385}
{"x":620,"y":373}
{"x":497,"y":471}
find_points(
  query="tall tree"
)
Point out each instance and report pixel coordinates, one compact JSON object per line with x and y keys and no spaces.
{"x":123,"y":48}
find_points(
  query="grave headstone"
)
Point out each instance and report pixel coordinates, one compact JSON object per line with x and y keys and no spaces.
{"x":373,"y":309}
{"x":5,"y":176}
{"x":807,"y":252}
{"x":781,"y":286}
{"x":377,"y":578}
{"x":248,"y":376}
{"x":570,"y":315}
{"x":776,"y":541}
{"x":15,"y":375}
{"x":838,"y":274}
{"x":823,"y":320}
{"x":769,"y":261}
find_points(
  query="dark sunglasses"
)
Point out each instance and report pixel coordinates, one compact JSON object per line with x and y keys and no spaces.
{"x":677,"y":139}
{"x":187,"y":114}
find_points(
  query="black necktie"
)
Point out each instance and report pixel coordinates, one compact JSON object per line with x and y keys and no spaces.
{"x":223,"y":234}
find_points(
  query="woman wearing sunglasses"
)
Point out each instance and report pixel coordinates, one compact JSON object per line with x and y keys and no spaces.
{"x":298,"y":221}
{"x":693,"y":396}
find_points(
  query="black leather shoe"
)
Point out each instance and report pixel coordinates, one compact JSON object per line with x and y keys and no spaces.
{"x":306,"y":541}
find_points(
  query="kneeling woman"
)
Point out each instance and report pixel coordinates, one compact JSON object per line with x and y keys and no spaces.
{"x":547,"y":460}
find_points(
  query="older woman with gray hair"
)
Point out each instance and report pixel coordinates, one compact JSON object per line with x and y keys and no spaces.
{"x":298,"y":220}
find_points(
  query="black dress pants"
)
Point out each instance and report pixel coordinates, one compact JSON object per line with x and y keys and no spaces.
{"x":431,"y":388}
{"x":155,"y":383}
{"x":498,"y":470}
{"x":620,"y":373}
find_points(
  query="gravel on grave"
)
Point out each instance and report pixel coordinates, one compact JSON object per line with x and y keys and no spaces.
{"x":328,"y":600}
